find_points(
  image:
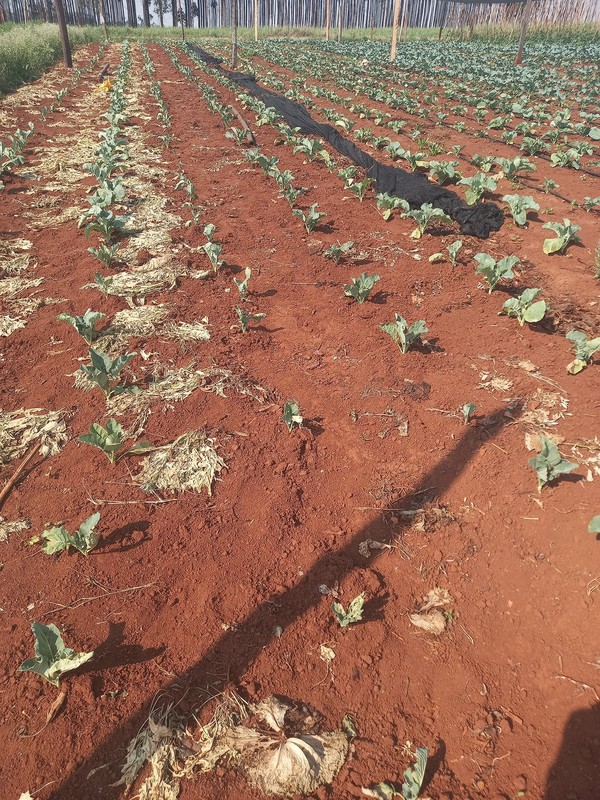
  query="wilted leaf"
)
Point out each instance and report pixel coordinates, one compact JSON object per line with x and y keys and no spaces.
{"x":52,"y":658}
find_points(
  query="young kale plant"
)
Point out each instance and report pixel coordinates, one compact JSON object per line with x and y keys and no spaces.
{"x":245,"y":317}
{"x":84,"y":539}
{"x":105,"y":253}
{"x":52,"y":658}
{"x":352,"y":614}
{"x":411,"y":787}
{"x":495,"y":271}
{"x":85,"y":325}
{"x":242,"y":284}
{"x":525,"y":307}
{"x":444,"y":171}
{"x":584,"y":350}
{"x":104,"y":371}
{"x":337,"y":251}
{"x":423,"y":216}
{"x":405,"y":335}
{"x":111,"y":440}
{"x":566,"y":233}
{"x":467,"y":410}
{"x":310,"y":219}
{"x":519,"y":205}
{"x":291,"y":415}
{"x":387,"y":204}
{"x":360,"y":188}
{"x":477,"y":186}
{"x":549,"y":464}
{"x":361,"y":287}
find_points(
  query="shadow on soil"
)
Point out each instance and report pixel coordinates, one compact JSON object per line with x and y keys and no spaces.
{"x":576,"y":770}
{"x":230,"y":656}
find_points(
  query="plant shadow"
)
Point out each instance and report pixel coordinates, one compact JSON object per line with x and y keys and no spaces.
{"x":123,"y":537}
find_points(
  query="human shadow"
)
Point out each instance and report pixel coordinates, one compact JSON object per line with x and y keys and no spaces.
{"x":230,"y":656}
{"x":576,"y":770}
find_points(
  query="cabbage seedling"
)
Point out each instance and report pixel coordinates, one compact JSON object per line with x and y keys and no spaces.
{"x":52,"y":658}
{"x":405,"y":335}
{"x":85,"y":325}
{"x":467,"y":410}
{"x":444,"y":171}
{"x":361,"y":188}
{"x":245,"y":318}
{"x":352,"y":614}
{"x":111,"y":440}
{"x":453,"y":251}
{"x":105,"y":253}
{"x":566,"y":233}
{"x":104,"y":372}
{"x":525,"y":307}
{"x":549,"y":464}
{"x":103,"y":283}
{"x":494,"y":271}
{"x":361,"y":287}
{"x":347,"y":174}
{"x":337,"y":251}
{"x":594,"y":526}
{"x":84,"y":539}
{"x":387,"y":204}
{"x":584,"y":350}
{"x":477,"y":185}
{"x":519,"y":205}
{"x":510,"y":167}
{"x":291,"y":415}
{"x":242,"y":284}
{"x":213,"y":250}
{"x":411,"y":787}
{"x":424,"y":215}
{"x":311,"y":219}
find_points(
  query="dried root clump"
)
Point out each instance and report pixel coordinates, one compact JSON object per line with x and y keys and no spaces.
{"x":277,"y":745}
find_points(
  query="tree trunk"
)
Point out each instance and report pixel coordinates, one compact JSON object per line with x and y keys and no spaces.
{"x":64,"y":35}
{"x":234,"y":34}
{"x":340,"y":20}
{"x":256,"y":20}
{"x":327,"y":19}
{"x":526,"y":12}
{"x":395,"y":30}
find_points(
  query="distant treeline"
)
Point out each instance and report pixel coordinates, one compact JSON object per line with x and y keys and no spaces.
{"x":366,"y":14}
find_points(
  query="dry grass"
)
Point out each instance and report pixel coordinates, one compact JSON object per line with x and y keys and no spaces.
{"x":20,"y":429}
{"x":189,"y":464}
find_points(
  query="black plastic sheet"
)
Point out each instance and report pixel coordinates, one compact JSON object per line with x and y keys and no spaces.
{"x":478,"y":220}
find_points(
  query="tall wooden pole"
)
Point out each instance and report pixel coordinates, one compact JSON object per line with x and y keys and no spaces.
{"x":25,"y":13}
{"x":180,"y":12}
{"x":340,"y":20}
{"x":256,"y":20}
{"x":234,"y":34}
{"x":526,"y":12}
{"x":103,"y":20}
{"x":395,"y":29}
{"x":64,"y":35}
{"x":327,"y":19}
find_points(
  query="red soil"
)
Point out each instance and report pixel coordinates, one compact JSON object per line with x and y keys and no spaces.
{"x":505,"y":700}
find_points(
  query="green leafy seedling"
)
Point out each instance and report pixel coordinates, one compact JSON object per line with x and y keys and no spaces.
{"x":387,"y":204}
{"x":352,"y":614}
{"x":104,"y":372}
{"x":519,"y":205}
{"x":291,"y":415}
{"x":525,"y":307}
{"x":84,"y":539}
{"x":424,"y":215}
{"x":337,"y":251}
{"x":549,"y":464}
{"x":85,"y":325}
{"x":453,"y":251}
{"x":477,"y":186}
{"x":444,"y":171}
{"x":467,"y":410}
{"x":405,"y":335}
{"x":52,"y":658}
{"x":566,"y":233}
{"x":361,"y":287}
{"x":495,"y":271}
{"x":213,"y":250}
{"x":110,"y":439}
{"x":411,"y":787}
{"x":103,"y":283}
{"x":242,"y":283}
{"x":510,"y":167}
{"x":360,"y":188}
{"x":594,"y":526}
{"x":105,"y":253}
{"x":246,"y":317}
{"x":310,"y":219}
{"x":584,"y":350}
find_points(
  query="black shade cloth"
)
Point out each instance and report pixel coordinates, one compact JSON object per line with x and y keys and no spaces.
{"x":413,"y":187}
